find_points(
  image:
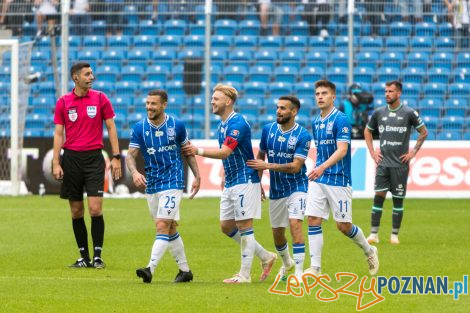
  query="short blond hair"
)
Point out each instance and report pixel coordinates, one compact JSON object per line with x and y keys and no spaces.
{"x":227,"y":90}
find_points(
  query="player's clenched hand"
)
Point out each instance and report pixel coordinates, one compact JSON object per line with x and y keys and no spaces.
{"x":188,"y":150}
{"x":257,"y":164}
{"x":116,"y":168}
{"x":139,"y":180}
{"x":195,"y":187}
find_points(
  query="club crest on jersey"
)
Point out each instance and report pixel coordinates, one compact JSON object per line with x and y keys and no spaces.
{"x":381,"y":129}
{"x":329,"y":127}
{"x":281,"y":139}
{"x":292,"y":141}
{"x":91,"y":111}
{"x":73,"y":115}
{"x":171,"y":133}
{"x":158,"y":133}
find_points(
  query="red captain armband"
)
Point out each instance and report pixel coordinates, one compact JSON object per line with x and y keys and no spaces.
{"x":231,"y":143}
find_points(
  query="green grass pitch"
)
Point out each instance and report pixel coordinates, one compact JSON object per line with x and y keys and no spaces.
{"x":37,"y":245}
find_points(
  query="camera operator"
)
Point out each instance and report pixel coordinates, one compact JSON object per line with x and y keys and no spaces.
{"x":357,"y":106}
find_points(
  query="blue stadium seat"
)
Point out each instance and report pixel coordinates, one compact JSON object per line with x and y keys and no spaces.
{"x":318,"y":43}
{"x":368,"y":43}
{"x":259,"y":73}
{"x":145,"y":41}
{"x":397,"y":44}
{"x":114,"y":57}
{"x":40,"y":56}
{"x":466,"y":135}
{"x":198,"y":28}
{"x":104,"y":86}
{"x":132,"y":73}
{"x":363,"y":75}
{"x":442,"y":59}
{"x":403,"y":29}
{"x":235,"y":73}
{"x":435,"y":89}
{"x":38,"y":121}
{"x":270,"y":42}
{"x":452,"y":122}
{"x":256,"y":102}
{"x":89,"y":55}
{"x":175,"y":87}
{"x":412,"y":74}
{"x":463,"y":59}
{"x":255,"y":89}
{"x":431,"y":122}
{"x":421,"y":44}
{"x":425,"y":29}
{"x":170,"y":41}
{"x":430,"y":107}
{"x":296,"y":42}
{"x":317,"y":58}
{"x":120,"y":41}
{"x":305,"y":89}
{"x":418,"y":60}
{"x":292,"y":58}
{"x":177,"y":72}
{"x":44,"y":42}
{"x":74,"y":41}
{"x":189,"y":53}
{"x":127,"y":87}
{"x":138,"y":54}
{"x":249,"y":27}
{"x":240,"y":56}
{"x":285,"y":74}
{"x":221,"y":41}
{"x":109,"y":73}
{"x":461,"y":75}
{"x":157,"y":72}
{"x":166,"y":55}
{"x":367,"y":59}
{"x":449,"y":135}
{"x":444,"y":44}
{"x":225,"y":27}
{"x":456,"y":107}
{"x":459,"y":90}
{"x":43,"y":105}
{"x":339,"y":59}
{"x":341,"y":43}
{"x":149,"y":28}
{"x":445,"y":29}
{"x":193,"y":41}
{"x":94,"y":41}
{"x":311,"y":74}
{"x":338,"y":74}
{"x":385,"y":74}
{"x":392,"y":59}
{"x":218,"y":56}
{"x":299,"y":28}
{"x":122,"y":104}
{"x":174,"y":27}
{"x":246,"y":41}
{"x":265,"y":57}
{"x":411,"y":89}
{"x":438,"y":75}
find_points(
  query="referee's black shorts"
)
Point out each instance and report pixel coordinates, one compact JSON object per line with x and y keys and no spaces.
{"x":83,"y":171}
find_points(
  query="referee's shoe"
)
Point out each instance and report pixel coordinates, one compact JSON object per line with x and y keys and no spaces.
{"x":98,"y":263}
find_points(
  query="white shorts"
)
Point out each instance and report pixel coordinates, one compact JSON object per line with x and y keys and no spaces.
{"x":283,"y":209}
{"x":321,"y":198}
{"x":165,"y":204}
{"x":241,"y":202}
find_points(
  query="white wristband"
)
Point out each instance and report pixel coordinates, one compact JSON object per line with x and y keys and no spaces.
{"x":200,"y":151}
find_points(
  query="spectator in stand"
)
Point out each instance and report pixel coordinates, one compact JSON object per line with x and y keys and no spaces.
{"x":114,"y":17}
{"x":46,"y":11}
{"x":317,"y":14}
{"x":374,"y":14}
{"x":80,"y":17}
{"x":458,"y":12}
{"x":270,"y":11}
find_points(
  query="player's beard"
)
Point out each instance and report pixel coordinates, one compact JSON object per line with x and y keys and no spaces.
{"x":153,"y":116}
{"x":283,"y":119}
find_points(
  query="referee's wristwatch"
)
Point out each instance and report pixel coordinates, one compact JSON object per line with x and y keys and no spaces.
{"x":116,"y":156}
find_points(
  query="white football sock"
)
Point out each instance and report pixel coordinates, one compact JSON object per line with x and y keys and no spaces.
{"x":177,"y":251}
{"x":158,"y":250}
{"x":315,"y":244}
{"x":247,"y":251}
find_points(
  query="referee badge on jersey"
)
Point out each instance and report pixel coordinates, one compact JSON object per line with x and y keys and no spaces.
{"x":73,"y":115}
{"x":91,"y":111}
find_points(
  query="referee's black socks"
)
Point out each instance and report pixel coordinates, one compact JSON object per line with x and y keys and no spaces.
{"x":97,"y":234}
{"x":81,"y":236}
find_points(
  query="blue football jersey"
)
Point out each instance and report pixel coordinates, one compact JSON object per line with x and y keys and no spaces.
{"x":235,"y":132}
{"x":161,"y":148}
{"x":282,"y":147}
{"x":326,"y":133}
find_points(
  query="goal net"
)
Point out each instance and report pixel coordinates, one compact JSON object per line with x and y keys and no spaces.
{"x":14,"y":94}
